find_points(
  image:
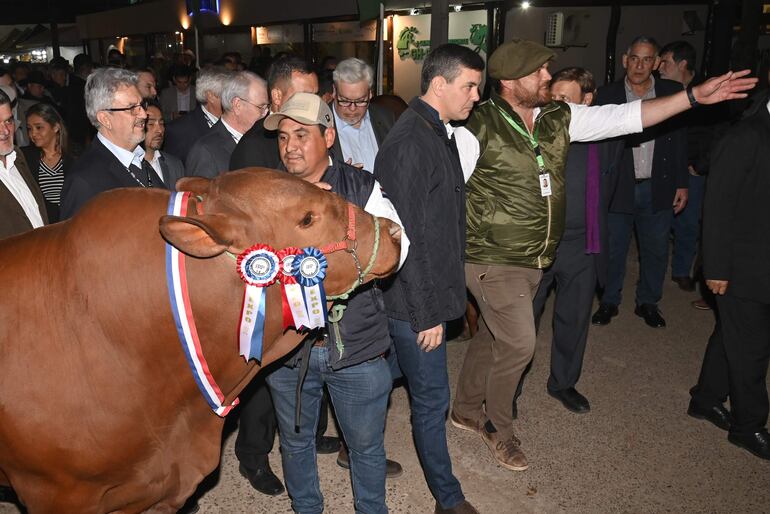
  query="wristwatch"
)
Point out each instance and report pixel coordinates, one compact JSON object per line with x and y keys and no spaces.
{"x":691,"y":97}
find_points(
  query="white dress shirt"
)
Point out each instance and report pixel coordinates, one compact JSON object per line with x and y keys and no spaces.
{"x":183,"y":100}
{"x":587,"y":123}
{"x":358,"y":143}
{"x":210,"y":118}
{"x":125,"y":157}
{"x":155,"y":163}
{"x":12,"y":179}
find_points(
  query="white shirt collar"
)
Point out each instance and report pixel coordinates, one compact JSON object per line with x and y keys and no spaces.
{"x":125,"y":157}
{"x":236,"y":135}
{"x":213,"y":119}
{"x":10,"y":160}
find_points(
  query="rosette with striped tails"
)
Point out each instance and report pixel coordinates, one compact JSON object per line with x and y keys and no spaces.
{"x":293,"y":301}
{"x":258,"y":267}
{"x":176,"y":279}
{"x":309,"y":270}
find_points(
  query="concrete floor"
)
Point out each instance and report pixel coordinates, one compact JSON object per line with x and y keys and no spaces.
{"x":636,"y":451}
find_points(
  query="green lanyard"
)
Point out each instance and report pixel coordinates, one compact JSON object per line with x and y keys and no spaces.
{"x":530,"y":137}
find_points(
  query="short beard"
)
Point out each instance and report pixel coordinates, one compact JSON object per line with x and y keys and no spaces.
{"x":530,"y":99}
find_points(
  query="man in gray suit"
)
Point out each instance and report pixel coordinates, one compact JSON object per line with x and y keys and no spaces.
{"x":361,"y":126}
{"x":167,"y":167}
{"x":244,"y":102}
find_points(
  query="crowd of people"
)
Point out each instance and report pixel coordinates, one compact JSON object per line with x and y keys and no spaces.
{"x":496,"y":203}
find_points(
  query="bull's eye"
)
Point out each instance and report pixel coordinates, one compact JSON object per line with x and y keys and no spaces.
{"x":307,"y":220}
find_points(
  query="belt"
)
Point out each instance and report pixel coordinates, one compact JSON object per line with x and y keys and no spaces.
{"x":640,"y":180}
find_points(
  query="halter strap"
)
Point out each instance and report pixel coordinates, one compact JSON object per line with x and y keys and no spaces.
{"x":350,"y":235}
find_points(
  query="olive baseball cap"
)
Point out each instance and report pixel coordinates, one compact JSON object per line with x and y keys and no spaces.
{"x":304,"y":108}
{"x":518,"y":58}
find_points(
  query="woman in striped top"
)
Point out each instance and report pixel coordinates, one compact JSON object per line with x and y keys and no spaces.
{"x":47,"y":155}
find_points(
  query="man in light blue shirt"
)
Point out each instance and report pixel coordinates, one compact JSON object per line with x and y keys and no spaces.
{"x":361,"y":127}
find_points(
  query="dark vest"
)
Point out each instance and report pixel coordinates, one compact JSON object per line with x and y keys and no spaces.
{"x":364,"y":326}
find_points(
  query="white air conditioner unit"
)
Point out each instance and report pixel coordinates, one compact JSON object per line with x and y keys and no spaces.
{"x":554,"y":32}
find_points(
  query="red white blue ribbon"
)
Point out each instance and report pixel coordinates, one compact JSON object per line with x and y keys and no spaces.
{"x":293,"y":300}
{"x":258,"y":267}
{"x":176,"y":279}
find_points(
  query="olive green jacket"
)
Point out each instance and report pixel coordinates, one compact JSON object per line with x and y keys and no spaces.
{"x":509,"y":221}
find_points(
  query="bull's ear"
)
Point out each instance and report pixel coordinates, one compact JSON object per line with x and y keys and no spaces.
{"x":199,"y":237}
{"x":195,"y":185}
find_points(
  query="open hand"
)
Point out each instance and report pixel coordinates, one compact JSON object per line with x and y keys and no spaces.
{"x":730,"y":86}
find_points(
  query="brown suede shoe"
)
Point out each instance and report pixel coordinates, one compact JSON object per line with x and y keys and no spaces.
{"x":464,"y":423}
{"x":460,"y":508}
{"x":506,"y":450}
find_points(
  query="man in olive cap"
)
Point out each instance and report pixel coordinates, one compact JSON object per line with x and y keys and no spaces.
{"x":514,"y":149}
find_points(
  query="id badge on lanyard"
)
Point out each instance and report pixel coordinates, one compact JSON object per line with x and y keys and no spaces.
{"x":545,"y":183}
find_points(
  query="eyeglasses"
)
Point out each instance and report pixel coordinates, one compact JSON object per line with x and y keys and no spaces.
{"x":261,"y":107}
{"x":347,"y":103}
{"x":134,"y":110}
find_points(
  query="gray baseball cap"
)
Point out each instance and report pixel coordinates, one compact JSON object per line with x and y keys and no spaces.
{"x":304,"y":108}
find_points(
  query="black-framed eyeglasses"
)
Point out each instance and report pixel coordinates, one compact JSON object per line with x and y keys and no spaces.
{"x":344,"y":102}
{"x":261,"y":107}
{"x":132,"y":109}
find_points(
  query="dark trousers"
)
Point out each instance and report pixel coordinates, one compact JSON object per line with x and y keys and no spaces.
{"x":713,"y":386}
{"x":573,"y":275}
{"x":652,"y":231}
{"x":256,"y":430}
{"x":746,"y":336}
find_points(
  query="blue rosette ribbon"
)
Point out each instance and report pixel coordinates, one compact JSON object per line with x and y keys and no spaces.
{"x":309,"y":270}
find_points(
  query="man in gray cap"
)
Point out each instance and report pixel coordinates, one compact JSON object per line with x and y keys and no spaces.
{"x":349,"y":359}
{"x":514,"y":149}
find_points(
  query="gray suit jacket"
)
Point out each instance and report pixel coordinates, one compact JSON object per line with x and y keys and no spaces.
{"x":168,"y":102}
{"x":21,"y":138}
{"x":13,"y":220}
{"x":173,"y":170}
{"x":382,"y":122}
{"x":211,"y":154}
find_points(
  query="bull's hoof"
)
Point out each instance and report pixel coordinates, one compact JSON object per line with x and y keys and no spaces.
{"x":263,"y":480}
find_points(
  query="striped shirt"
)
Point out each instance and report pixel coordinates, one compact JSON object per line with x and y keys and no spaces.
{"x":51,"y":181}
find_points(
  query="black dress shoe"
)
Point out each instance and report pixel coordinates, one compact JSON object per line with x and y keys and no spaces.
{"x":717,"y":415}
{"x":572,"y":400}
{"x":263,"y":479}
{"x":392,"y":468}
{"x":604,"y":314}
{"x":757,"y":443}
{"x":684,"y":283}
{"x":651,"y":315}
{"x":326,"y":444}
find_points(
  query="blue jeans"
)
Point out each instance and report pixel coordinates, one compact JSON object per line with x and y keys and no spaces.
{"x":686,"y":226}
{"x":428,"y":384}
{"x":652,"y":232}
{"x":359,"y":394}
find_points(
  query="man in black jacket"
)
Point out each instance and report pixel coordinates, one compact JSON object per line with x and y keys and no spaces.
{"x":419,"y":166}
{"x":653,"y":177}
{"x":736,"y":265}
{"x":349,"y":359}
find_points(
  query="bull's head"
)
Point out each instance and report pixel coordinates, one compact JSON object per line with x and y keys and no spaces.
{"x":239,"y":209}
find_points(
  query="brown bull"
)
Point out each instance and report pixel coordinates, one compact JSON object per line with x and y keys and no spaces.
{"x":99,"y":411}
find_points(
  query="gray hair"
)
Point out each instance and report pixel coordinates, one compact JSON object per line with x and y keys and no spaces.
{"x":238,"y":87}
{"x":353,"y":70}
{"x":639,"y":40}
{"x":101,"y":86}
{"x":211,"y":79}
